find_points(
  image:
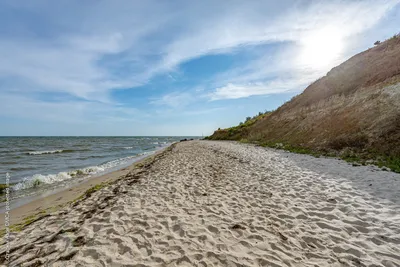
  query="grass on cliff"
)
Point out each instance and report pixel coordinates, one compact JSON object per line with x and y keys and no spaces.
{"x":354,"y":157}
{"x":338,"y":115}
{"x":236,"y":132}
{"x":348,"y":149}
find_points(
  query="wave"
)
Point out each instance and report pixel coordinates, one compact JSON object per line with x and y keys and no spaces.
{"x":39,"y":179}
{"x":55,"y":151}
{"x":21,"y":168}
{"x":92,"y":157}
{"x":161,"y":143}
{"x":8,"y":162}
{"x":42,"y":179}
{"x":44,"y":152}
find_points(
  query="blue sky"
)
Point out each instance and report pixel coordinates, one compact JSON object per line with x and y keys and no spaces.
{"x":170,"y":67}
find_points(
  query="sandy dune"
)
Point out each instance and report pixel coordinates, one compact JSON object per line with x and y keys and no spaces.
{"x":226,"y":204}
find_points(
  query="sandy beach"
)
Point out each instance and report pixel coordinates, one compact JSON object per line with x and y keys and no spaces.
{"x":54,"y":201}
{"x":209,"y":203}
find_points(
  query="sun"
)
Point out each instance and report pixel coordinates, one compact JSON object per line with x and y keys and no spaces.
{"x":321,"y":48}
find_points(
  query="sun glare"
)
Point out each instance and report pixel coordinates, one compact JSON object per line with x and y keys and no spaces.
{"x":321,"y":48}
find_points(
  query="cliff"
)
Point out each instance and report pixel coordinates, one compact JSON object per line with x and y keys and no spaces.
{"x":353,"y":111}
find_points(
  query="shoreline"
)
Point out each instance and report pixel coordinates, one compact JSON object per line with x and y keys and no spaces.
{"x":210,"y":203}
{"x":42,"y":205}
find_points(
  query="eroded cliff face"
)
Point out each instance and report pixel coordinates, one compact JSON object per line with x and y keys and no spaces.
{"x":356,"y":105}
{"x":363,"y":119}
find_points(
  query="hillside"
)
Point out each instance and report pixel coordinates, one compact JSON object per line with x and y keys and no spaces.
{"x":353,"y":112}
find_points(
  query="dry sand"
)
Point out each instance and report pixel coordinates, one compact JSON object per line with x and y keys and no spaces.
{"x":205,"y":203}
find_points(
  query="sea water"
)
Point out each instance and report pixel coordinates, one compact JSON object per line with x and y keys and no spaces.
{"x":37,"y":165}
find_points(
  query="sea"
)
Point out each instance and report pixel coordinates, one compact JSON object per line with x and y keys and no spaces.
{"x":39,"y":166}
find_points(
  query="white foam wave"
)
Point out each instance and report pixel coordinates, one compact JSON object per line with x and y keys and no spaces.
{"x":40,"y":179}
{"x":121,"y":161}
{"x":44,"y":152}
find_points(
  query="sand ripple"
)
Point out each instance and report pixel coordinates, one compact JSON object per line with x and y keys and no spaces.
{"x":226,"y":204}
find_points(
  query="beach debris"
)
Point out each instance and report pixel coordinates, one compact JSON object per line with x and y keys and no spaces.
{"x":332,"y":200}
{"x":68,"y":256}
{"x":204,"y":194}
{"x":35,"y":263}
{"x":107,"y":198}
{"x":311,"y":245}
{"x":116,"y":190}
{"x":79,"y":241}
{"x":357,"y":262}
{"x":237,"y":227}
{"x":89,"y":214}
{"x":282,"y":236}
{"x":69,"y":230}
{"x":133,"y":179}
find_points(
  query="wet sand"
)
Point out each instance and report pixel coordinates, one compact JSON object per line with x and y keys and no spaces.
{"x":52,"y":202}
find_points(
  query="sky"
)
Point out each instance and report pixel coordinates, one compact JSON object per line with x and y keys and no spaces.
{"x":163,"y":68}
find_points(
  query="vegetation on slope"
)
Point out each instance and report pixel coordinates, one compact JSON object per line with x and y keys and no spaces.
{"x":237,"y":132}
{"x":353,"y":112}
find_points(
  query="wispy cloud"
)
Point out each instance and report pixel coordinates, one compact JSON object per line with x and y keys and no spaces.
{"x":89,"y":51}
{"x":234,"y":91}
{"x":69,"y":61}
{"x":174,"y":100}
{"x":286,"y":70}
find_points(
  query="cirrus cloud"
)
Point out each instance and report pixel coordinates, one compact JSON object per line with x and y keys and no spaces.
{"x":94,"y":51}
